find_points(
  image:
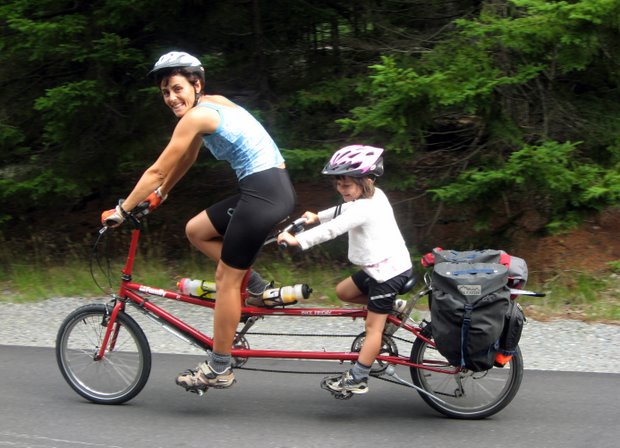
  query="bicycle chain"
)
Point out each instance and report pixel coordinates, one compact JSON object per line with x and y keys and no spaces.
{"x":325,"y":335}
{"x":301,"y":372}
{"x":379,"y":377}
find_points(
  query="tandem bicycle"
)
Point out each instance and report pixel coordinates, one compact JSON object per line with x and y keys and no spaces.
{"x":104,"y":355}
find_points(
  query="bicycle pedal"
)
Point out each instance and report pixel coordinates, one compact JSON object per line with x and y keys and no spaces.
{"x":342,"y":395}
{"x":199,"y":392}
{"x":337,"y":395}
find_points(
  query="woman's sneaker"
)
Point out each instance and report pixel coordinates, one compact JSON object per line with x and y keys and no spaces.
{"x":346,"y":383}
{"x":254,"y":301}
{"x":256,"y":284}
{"x":203,"y":377}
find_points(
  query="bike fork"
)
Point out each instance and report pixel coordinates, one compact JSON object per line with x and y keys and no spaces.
{"x":111,"y":332}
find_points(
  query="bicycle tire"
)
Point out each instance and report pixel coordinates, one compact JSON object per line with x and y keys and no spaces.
{"x":481,"y":394}
{"x":121,"y":374}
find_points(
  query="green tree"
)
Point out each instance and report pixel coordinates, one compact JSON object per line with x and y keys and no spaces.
{"x":512,"y":88}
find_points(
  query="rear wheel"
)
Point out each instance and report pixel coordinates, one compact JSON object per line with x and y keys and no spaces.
{"x":125,"y":367}
{"x":466,"y":394}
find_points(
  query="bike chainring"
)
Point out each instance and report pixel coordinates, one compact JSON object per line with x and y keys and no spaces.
{"x":388,"y":347}
{"x":240,"y":342}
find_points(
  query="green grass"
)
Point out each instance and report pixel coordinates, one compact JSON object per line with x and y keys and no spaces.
{"x":578,"y":295}
{"x":26,"y":282}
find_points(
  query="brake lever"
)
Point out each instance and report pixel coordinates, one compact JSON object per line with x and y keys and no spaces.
{"x":297,"y":226}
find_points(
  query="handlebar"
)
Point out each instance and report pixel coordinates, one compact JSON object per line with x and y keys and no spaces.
{"x":138,"y":212}
{"x":297,"y":226}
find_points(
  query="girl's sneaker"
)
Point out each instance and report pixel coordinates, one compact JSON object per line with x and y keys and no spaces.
{"x":346,"y":383}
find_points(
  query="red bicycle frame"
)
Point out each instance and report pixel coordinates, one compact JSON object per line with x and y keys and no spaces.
{"x":132,"y":292}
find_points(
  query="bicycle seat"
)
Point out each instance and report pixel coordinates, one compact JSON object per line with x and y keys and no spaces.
{"x":408,"y":286}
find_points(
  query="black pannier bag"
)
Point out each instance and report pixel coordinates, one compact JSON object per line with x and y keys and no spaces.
{"x":517,"y":267}
{"x":513,"y":327}
{"x":470,"y":302}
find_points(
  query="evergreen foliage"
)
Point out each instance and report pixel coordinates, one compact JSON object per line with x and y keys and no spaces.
{"x":469,"y":97}
{"x":514,"y":85}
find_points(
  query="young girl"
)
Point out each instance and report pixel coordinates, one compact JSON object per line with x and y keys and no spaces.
{"x":375,"y":244}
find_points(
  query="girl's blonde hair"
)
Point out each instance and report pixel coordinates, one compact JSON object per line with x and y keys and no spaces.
{"x":367,"y":183}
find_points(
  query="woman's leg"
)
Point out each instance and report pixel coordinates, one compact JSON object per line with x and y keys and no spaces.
{"x":202,"y":234}
{"x":244,"y":221}
{"x":216,"y":372}
{"x":227,"y":306}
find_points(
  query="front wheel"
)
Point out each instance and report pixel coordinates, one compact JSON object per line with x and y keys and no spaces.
{"x":466,"y":394}
{"x":125,"y":367}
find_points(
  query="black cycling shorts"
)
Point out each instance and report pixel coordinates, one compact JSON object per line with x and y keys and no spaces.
{"x":246,"y":219}
{"x":381,"y":296}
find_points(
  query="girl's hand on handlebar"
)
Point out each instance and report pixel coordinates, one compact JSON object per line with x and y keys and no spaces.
{"x":285,"y":239}
{"x":311,"y":218}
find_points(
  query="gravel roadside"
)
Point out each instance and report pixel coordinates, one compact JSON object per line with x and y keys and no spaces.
{"x":566,"y":345}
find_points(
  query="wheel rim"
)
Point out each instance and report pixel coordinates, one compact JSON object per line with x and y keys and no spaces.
{"x":467,"y":394}
{"x":107,"y":379}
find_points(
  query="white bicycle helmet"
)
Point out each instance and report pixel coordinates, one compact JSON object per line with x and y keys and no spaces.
{"x":178,"y":59}
{"x":355,"y":161}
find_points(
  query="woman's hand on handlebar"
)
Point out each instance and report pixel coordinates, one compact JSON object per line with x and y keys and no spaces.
{"x":113,"y":217}
{"x":116,"y":216}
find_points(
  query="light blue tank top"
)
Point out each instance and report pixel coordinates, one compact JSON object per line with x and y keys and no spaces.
{"x":242,"y":141}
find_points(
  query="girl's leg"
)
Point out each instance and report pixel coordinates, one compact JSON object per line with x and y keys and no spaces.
{"x":374,"y":335}
{"x":355,"y":380}
{"x":347,"y":291}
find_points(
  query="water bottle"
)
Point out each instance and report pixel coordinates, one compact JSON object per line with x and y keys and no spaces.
{"x":197,"y":288}
{"x":287,"y":295}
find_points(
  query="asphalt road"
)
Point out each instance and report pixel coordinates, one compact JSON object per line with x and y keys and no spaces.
{"x":552,"y":409}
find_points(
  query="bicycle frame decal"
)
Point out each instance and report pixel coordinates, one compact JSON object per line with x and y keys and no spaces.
{"x":152,"y":291}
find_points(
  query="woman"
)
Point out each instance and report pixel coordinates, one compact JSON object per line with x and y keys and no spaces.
{"x":232,"y":231}
{"x":375,"y":244}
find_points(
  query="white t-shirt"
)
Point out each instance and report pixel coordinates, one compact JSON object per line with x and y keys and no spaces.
{"x":375,"y":241}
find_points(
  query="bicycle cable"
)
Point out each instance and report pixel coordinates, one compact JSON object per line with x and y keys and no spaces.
{"x":105,"y":270}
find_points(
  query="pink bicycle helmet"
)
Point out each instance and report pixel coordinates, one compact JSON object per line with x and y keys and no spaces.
{"x":355,"y":161}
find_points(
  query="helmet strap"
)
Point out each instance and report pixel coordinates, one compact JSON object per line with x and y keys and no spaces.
{"x":198,"y":93}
